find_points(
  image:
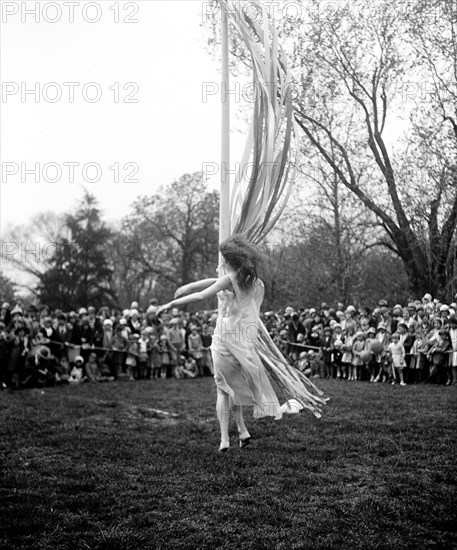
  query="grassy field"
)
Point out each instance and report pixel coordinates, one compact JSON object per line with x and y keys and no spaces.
{"x":97,"y":467}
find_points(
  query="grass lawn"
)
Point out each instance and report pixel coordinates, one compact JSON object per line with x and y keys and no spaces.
{"x":96,"y":467}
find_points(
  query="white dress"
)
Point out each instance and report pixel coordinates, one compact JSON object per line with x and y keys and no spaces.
{"x":245,"y":357}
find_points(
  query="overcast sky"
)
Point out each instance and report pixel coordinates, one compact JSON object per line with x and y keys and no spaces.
{"x":131,"y":102}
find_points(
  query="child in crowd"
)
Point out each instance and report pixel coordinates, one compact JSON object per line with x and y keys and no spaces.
{"x":337,"y":350}
{"x":418,"y":362}
{"x":155,"y":356}
{"x":398,"y":358}
{"x":77,"y":375}
{"x":120,"y":345}
{"x":143,"y":355}
{"x":190,"y":367}
{"x":385,"y":367}
{"x":131,"y":361}
{"x":372,"y":364}
{"x":93,"y":371}
{"x":195,"y":348}
{"x":358,"y":347}
{"x":326,"y":353}
{"x":166,"y":355}
{"x":346,"y":360}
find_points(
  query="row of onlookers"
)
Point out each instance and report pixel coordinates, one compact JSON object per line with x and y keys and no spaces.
{"x":412,"y":343}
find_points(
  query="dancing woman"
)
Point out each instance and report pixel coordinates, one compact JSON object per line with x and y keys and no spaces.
{"x":239,"y":373}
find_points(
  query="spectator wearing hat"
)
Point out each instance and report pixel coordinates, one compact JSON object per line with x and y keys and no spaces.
{"x":16,"y":319}
{"x":49,"y":336}
{"x":134,"y":322}
{"x":144,"y":364}
{"x":324,"y":311}
{"x":74,"y":326}
{"x":326,"y":349}
{"x":195,"y":345}
{"x":365,"y":319}
{"x":432,"y":334}
{"x":444,"y":313}
{"x":77,"y":375}
{"x":95,"y":330}
{"x":119,"y":346}
{"x":358,"y":347}
{"x":346,"y":359}
{"x":349,"y":319}
{"x":439,"y":358}
{"x":166,"y":356}
{"x":418,"y":364}
{"x":294,"y":327}
{"x":131,"y":361}
{"x":397,"y":316}
{"x":427,"y":299}
{"x":62,"y":335}
{"x":337,"y":345}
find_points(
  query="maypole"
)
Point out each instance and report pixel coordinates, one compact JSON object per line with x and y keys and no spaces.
{"x":224,"y":207}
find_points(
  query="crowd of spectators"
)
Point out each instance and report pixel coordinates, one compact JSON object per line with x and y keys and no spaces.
{"x":415,"y":343}
{"x":42,"y":348}
{"x":405,"y":344}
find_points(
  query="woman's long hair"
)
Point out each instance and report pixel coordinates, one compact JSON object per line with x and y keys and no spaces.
{"x":243,"y":257}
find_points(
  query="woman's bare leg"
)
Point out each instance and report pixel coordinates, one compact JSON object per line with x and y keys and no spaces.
{"x":223,"y":415}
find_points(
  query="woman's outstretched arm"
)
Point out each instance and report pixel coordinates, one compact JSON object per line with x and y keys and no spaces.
{"x":220,"y":284}
{"x":194,"y":287}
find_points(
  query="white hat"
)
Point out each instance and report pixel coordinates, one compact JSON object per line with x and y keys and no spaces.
{"x":126,"y":312}
{"x":122,"y":321}
{"x":79,"y":358}
{"x":427,"y":297}
{"x":134,"y":305}
{"x":16,"y":310}
{"x":350,"y":308}
{"x":82,"y":311}
{"x":312,"y":311}
{"x":108,"y":322}
{"x":151,"y":309}
{"x":133,"y":312}
{"x":444,"y":307}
